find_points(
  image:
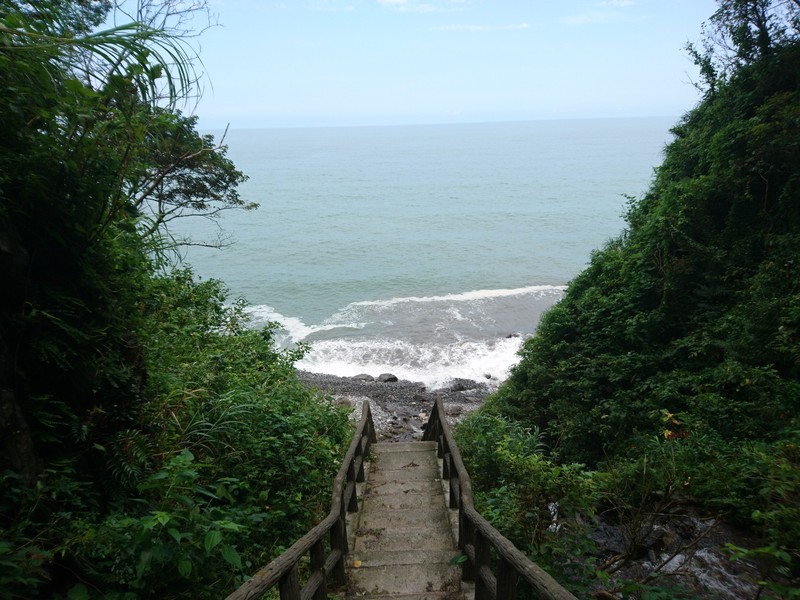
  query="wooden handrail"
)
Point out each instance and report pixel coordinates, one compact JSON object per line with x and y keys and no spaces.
{"x":283,"y":570}
{"x":476,"y":537}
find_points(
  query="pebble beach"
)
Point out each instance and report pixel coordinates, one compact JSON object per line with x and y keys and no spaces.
{"x":399,"y":407}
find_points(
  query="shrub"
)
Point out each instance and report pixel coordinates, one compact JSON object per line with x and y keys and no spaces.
{"x":541,"y":506}
{"x":228,"y":460}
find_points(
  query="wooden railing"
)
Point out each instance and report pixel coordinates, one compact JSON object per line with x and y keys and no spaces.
{"x":477,"y":538}
{"x":325,"y":567}
{"x":492,"y":562}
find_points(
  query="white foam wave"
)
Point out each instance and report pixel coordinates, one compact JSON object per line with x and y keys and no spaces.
{"x":432,"y":339}
{"x":465,"y":296}
{"x":294,"y":327}
{"x":435,"y":365}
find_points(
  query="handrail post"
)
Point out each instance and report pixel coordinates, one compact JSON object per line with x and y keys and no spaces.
{"x":318,"y":564}
{"x":507,"y":578}
{"x":289,"y":586}
{"x":362,"y":452}
{"x":339,"y":542}
{"x":482,"y":559}
{"x":466,"y":538}
{"x":343,"y":521}
{"x":373,"y":436}
{"x":454,"y":485}
{"x":352,"y":477}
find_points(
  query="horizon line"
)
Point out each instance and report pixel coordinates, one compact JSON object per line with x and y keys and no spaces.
{"x":439,"y":123}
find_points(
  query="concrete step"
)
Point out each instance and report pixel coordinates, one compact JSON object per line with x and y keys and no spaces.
{"x":404,"y":519}
{"x":407,"y":460}
{"x":456,"y":595}
{"x":400,"y":557}
{"x":415,"y":473}
{"x":403,"y":540}
{"x":401,"y":497}
{"x":405,"y":579}
{"x":404,"y":529}
{"x":390,"y":487}
{"x":399,"y":447}
{"x":436,"y":536}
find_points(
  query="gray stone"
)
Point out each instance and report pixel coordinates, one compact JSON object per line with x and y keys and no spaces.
{"x":461,"y":385}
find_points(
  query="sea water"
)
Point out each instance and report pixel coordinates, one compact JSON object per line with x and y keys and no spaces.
{"x":427,"y":251}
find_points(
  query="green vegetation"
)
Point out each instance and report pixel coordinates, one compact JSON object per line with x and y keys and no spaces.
{"x":672,"y":365}
{"x":151,"y":444}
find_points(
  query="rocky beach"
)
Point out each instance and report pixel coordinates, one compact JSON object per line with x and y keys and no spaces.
{"x":399,"y":407}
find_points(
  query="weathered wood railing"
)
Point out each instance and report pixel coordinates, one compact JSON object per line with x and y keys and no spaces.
{"x":476,"y":537}
{"x":324,"y":568}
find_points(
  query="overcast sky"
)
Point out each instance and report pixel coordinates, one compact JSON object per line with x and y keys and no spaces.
{"x":384,"y":62}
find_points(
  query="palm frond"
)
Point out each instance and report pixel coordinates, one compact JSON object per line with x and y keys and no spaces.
{"x":159,"y":65}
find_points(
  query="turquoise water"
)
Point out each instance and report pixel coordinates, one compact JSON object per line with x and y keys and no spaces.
{"x":420,"y":249}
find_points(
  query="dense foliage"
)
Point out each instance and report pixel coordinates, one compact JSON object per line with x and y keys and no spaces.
{"x":682,"y":337}
{"x":151,"y":445}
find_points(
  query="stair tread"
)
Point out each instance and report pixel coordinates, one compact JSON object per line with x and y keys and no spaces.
{"x":454,"y":595}
{"x":372,"y":558}
{"x":403,"y":540}
{"x":405,"y":579}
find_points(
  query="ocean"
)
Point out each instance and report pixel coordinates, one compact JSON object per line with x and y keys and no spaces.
{"x":425,"y":251}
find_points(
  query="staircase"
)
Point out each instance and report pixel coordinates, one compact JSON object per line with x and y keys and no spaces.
{"x":403,"y":541}
{"x":391,"y":537}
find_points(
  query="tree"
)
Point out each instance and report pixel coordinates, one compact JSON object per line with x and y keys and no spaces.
{"x":130,"y":399}
{"x":741,"y":32}
{"x":63,"y":239}
{"x":182,"y":174}
{"x":83,"y":156}
{"x":174,"y":171}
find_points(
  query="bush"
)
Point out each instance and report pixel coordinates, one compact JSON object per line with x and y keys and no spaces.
{"x":542,"y":507}
{"x":227,"y":461}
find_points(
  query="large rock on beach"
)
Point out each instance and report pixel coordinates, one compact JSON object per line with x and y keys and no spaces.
{"x":363,"y":377}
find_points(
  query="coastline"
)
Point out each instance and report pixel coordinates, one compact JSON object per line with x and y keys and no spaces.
{"x":399,"y":407}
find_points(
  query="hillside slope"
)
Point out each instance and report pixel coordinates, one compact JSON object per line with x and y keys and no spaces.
{"x":683,"y":334}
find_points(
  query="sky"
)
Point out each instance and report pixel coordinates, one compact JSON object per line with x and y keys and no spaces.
{"x":307,"y":63}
